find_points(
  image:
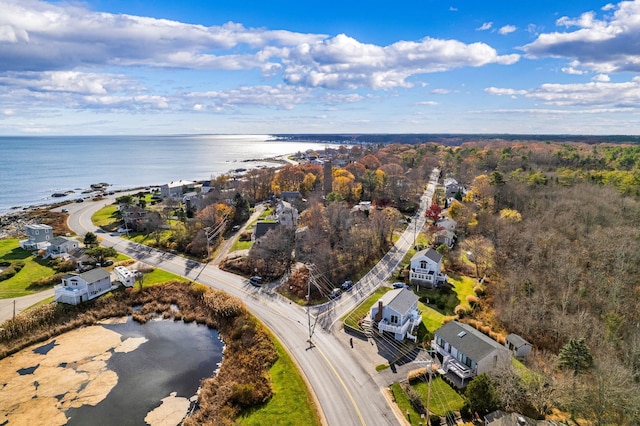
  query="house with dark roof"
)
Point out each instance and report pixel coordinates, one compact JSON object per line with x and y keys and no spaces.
{"x":290,"y":195}
{"x":262,"y":227}
{"x":467,"y":352}
{"x":78,"y":288}
{"x":517,"y":345}
{"x":397,"y":312}
{"x":426,"y":268}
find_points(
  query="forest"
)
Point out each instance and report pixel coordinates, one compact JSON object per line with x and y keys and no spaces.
{"x":554,"y":227}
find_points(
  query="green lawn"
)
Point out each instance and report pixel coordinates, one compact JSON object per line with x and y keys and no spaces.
{"x":240,"y":245}
{"x":291,"y":403}
{"x":105,"y":218}
{"x":463,"y":286}
{"x":443,"y":399}
{"x":34,"y":269}
{"x":352,"y":318}
{"x":431,"y":318}
{"x":159,"y":276}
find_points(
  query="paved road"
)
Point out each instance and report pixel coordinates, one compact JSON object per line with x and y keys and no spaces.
{"x":343,"y":384}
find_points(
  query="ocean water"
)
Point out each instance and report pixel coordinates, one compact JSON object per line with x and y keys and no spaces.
{"x":33,"y":168}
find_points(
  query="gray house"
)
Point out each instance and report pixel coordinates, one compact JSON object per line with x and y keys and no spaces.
{"x":467,"y":352}
{"x":397,"y":312}
{"x":518,"y":346}
{"x":60,"y":246}
{"x":38,"y":237}
{"x":78,"y":288}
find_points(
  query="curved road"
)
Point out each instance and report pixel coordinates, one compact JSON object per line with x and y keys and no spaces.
{"x":345,"y":390}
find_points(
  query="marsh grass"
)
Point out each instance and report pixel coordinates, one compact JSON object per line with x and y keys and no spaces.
{"x":243,"y":380}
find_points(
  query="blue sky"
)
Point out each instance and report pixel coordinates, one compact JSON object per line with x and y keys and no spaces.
{"x":420,"y":66}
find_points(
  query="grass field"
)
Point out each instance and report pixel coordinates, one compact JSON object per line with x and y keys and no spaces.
{"x":443,"y":399}
{"x":463,"y":286}
{"x":291,"y":403}
{"x":105,"y":218}
{"x":159,"y":276}
{"x":352,"y":318}
{"x":34,"y":269}
{"x":431,"y":318}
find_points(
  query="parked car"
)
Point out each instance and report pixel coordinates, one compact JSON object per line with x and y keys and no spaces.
{"x":79,"y":200}
{"x":400,"y":285}
{"x":335,"y":293}
{"x":255,"y":280}
{"x":347,"y":285}
{"x":65,"y":210}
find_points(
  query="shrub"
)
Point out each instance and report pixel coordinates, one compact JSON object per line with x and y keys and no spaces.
{"x":12,"y":269}
{"x":47,"y":281}
{"x":414,"y":398}
{"x":472,"y":300}
{"x":417,"y":374}
{"x":479,"y":290}
{"x":461,"y":311}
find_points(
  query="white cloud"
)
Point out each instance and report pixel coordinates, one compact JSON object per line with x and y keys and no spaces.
{"x":596,"y":94}
{"x":36,"y":36}
{"x":507,"y":29}
{"x":608,"y":6}
{"x":604,"y":45}
{"x":572,"y":70}
{"x":429,"y":103}
{"x":504,"y":92}
{"x":280,"y":96}
{"x":485,"y":26}
{"x":440,"y":91}
{"x":601,"y":77}
{"x":342,"y":62}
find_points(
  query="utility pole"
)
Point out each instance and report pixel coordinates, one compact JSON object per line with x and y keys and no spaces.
{"x":430,"y":371}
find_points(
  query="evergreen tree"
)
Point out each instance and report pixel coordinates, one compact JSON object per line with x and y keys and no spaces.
{"x":576,"y":357}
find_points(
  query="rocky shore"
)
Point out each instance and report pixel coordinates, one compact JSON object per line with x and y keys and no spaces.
{"x":12,"y":224}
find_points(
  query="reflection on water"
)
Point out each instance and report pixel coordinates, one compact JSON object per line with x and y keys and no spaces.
{"x":174,"y":358}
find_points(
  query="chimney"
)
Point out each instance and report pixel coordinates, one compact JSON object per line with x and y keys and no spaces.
{"x":379,"y":313}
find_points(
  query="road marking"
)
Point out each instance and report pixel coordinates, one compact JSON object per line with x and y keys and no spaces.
{"x":353,"y":402}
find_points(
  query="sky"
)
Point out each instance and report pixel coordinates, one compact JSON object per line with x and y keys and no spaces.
{"x":111,"y":67}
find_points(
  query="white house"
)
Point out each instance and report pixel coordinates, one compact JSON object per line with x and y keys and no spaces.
{"x":125,"y":276}
{"x":445,"y":233}
{"x":286,"y":214}
{"x":425,"y":268}
{"x":179,"y":187}
{"x":467,"y":352}
{"x":518,"y":346}
{"x":78,"y":288}
{"x":60,"y":246}
{"x":38,"y":237}
{"x":397,"y":312}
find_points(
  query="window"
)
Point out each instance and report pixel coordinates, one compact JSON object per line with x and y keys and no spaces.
{"x":394,"y":319}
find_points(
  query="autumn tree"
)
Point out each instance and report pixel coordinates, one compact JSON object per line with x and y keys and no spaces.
{"x":433,"y":212}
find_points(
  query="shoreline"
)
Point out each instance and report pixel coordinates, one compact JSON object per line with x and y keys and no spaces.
{"x":12,"y":222}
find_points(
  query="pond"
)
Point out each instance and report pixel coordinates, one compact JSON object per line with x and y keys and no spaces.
{"x":113,"y":374}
